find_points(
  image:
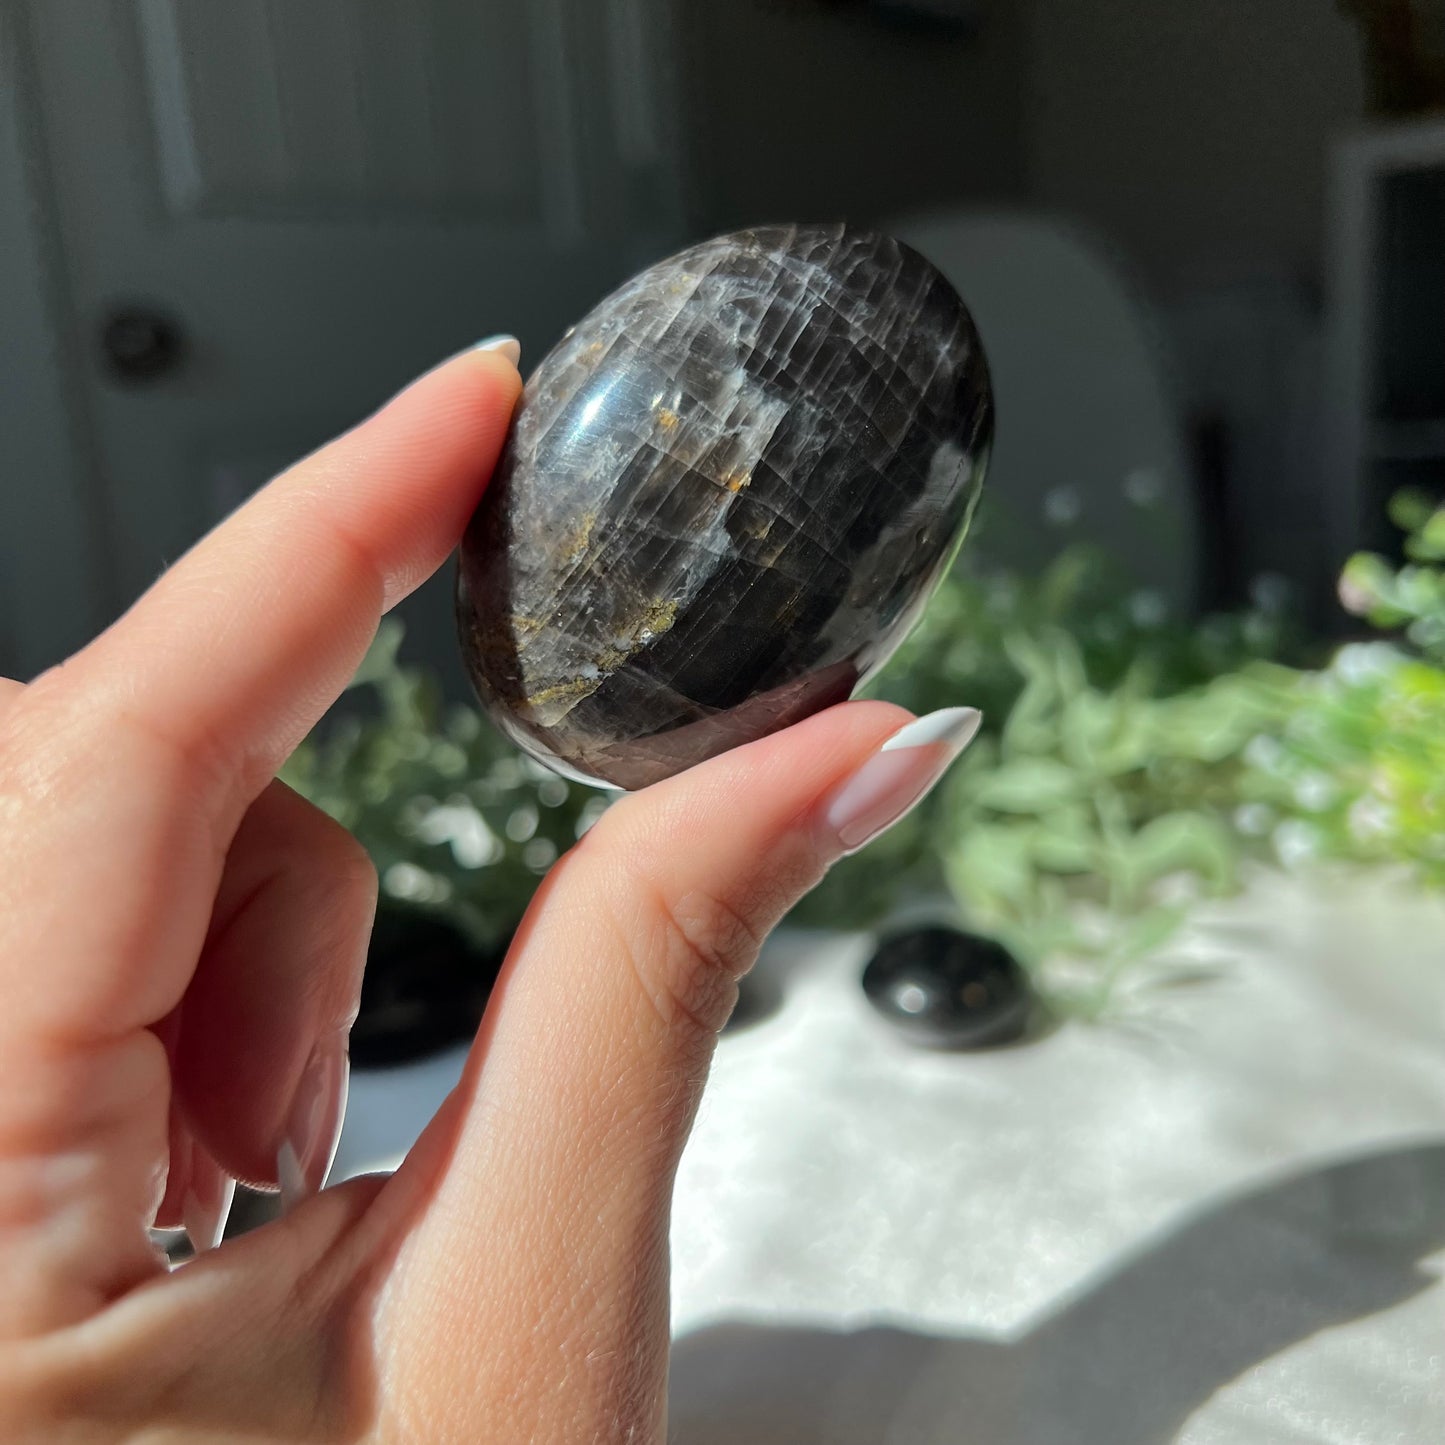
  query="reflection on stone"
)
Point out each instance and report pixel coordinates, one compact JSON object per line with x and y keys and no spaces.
{"x":727,"y":495}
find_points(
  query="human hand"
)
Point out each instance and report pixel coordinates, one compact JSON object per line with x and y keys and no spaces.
{"x":181,"y":945}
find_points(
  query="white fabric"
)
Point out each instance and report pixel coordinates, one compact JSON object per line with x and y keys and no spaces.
{"x":1221,"y":1223}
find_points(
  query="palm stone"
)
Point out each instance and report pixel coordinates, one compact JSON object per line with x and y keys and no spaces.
{"x":726,"y":496}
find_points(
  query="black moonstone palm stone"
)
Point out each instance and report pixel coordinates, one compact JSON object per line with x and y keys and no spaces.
{"x":725,"y":499}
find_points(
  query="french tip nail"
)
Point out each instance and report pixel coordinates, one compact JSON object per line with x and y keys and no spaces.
{"x":899,"y":775}
{"x":313,"y":1128}
{"x":953,"y":726}
{"x":290,"y":1177}
{"x":509,"y":346}
{"x":205,"y":1223}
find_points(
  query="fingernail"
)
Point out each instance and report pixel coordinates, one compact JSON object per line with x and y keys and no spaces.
{"x":206,"y":1208}
{"x":313,"y":1128}
{"x":509,"y":346}
{"x":899,"y":775}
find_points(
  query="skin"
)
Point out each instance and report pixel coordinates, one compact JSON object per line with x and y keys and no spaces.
{"x":177,"y":931}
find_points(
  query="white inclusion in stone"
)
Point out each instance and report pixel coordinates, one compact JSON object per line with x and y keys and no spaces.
{"x":912,"y":999}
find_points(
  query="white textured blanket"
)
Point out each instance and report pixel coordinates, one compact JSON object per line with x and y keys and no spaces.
{"x":1222,"y":1223}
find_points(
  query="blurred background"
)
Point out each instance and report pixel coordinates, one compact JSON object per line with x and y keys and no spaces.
{"x":230,"y":230}
{"x":1185,"y":892}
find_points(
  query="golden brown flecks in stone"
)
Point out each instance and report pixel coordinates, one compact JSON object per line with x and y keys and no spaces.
{"x":574,"y":687}
{"x":576,"y":542}
{"x":658,"y":618}
{"x":525,"y":627}
{"x":655,"y":619}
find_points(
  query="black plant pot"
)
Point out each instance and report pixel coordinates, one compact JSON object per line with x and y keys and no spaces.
{"x":425,"y":990}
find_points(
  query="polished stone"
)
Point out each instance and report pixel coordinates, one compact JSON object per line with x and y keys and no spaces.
{"x":727,"y":494}
{"x":948,"y":989}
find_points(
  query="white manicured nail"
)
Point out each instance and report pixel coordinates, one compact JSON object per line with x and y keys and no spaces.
{"x":899,"y":775}
{"x":313,"y":1129}
{"x":205,"y":1218}
{"x":509,"y":346}
{"x":954,"y":726}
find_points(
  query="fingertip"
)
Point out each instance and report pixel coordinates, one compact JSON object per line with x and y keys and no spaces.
{"x":504,"y":345}
{"x":488,"y":370}
{"x":799,"y":761}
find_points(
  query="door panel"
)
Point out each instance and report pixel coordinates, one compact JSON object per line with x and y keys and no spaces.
{"x":334,"y":109}
{"x":321,"y":200}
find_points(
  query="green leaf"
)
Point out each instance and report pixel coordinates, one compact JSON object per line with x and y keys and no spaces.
{"x":1212,"y":723}
{"x":1428,"y":544}
{"x":1065,"y":579}
{"x":1028,"y":785}
{"x":991,"y":866}
{"x":1411,"y":509}
{"x":1066,"y":841}
{"x":1181,"y":841}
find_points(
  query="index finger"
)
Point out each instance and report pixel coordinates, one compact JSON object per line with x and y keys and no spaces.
{"x":239,"y":648}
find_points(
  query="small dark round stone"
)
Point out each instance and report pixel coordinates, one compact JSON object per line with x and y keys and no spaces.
{"x":727,"y":494}
{"x":947,"y":989}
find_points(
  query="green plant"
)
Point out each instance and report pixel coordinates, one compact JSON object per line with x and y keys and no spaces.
{"x":1358,"y":772}
{"x":1090,"y":691}
{"x":454,"y":817}
{"x":1409,"y":598}
{"x":1129,"y":764}
{"x":1082,"y":832}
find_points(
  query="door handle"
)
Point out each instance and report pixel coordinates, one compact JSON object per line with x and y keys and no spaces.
{"x":141,"y":344}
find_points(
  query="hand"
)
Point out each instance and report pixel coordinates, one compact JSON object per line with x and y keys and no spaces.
{"x":181,"y":945}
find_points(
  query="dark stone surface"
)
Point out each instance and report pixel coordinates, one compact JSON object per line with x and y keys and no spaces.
{"x":727,"y":495}
{"x":948,"y":989}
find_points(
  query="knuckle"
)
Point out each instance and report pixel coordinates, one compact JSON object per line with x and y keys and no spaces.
{"x":688,"y":951}
{"x":65,"y":728}
{"x":352,"y":867}
{"x":335,"y":860}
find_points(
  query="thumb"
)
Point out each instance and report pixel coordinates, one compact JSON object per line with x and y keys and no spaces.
{"x":549,"y":1223}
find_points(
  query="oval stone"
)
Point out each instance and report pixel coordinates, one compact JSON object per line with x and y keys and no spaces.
{"x":726,"y":496}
